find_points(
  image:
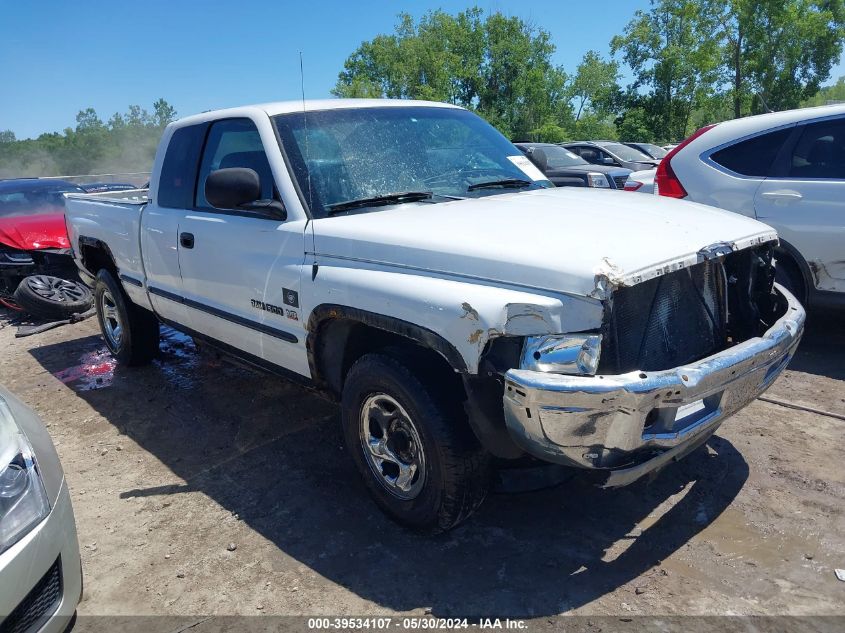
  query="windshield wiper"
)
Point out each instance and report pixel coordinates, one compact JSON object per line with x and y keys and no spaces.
{"x":516,"y":183}
{"x":375,"y":201}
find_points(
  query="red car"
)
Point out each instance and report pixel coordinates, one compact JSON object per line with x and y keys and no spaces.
{"x":37,"y":272}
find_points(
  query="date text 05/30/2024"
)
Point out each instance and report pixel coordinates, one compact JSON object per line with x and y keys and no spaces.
{"x":412,"y":623}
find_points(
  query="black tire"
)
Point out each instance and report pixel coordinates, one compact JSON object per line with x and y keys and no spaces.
{"x":454,"y":475}
{"x":53,"y":298}
{"x":788,"y":275}
{"x":136,"y":343}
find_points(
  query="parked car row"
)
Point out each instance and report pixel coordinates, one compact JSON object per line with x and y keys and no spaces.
{"x":601,"y":164}
{"x":566,"y":169}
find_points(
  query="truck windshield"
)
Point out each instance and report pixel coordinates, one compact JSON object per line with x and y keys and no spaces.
{"x":348,"y":155}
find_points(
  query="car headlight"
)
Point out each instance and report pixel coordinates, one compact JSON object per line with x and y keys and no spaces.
{"x":595,"y":179}
{"x":23,"y":500}
{"x":562,"y":353}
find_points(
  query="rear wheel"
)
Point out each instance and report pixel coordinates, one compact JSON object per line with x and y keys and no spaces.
{"x":51,"y":297}
{"x":412,"y":445}
{"x":131,"y":333}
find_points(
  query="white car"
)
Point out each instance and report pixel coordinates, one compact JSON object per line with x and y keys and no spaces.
{"x":405,"y":258}
{"x":40,"y":570}
{"x":786,"y":169}
{"x":641,"y":181}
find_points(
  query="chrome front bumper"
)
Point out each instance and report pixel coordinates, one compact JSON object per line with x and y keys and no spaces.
{"x":630,"y":424}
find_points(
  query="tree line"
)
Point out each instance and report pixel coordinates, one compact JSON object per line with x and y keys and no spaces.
{"x":125,"y":143}
{"x":691,"y":62}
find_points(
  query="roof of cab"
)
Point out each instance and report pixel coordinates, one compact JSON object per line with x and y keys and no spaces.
{"x":311,"y":105}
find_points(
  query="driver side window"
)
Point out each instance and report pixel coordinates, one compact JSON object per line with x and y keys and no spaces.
{"x":234,"y":143}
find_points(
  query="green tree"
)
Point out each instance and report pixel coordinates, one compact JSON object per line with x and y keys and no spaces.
{"x":635,"y":125}
{"x":163,"y":113}
{"x":7,"y":136}
{"x":828,"y":94}
{"x":777,"y":52}
{"x":497,"y":65}
{"x":675,"y":60}
{"x":137,"y":117}
{"x":594,"y":82}
{"x":116,"y":122}
{"x":88,"y":120}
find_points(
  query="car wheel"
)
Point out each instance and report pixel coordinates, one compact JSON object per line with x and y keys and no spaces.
{"x":412,"y":444}
{"x":131,"y":333}
{"x":51,"y":297}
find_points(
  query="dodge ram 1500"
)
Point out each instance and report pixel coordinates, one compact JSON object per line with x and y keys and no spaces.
{"x":406,"y":259}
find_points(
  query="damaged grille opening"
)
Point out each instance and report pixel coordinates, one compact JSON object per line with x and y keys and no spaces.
{"x":689,"y":314}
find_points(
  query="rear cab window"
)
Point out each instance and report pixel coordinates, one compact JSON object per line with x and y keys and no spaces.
{"x":179,"y":169}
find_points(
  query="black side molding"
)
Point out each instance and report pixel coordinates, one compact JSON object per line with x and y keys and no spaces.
{"x":131,"y":280}
{"x":228,"y":316}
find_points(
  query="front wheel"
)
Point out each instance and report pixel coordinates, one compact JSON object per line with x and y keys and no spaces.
{"x":131,"y":332}
{"x":412,"y":445}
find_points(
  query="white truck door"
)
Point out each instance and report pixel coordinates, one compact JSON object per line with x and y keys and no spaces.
{"x":807,"y":205}
{"x":173,"y":193}
{"x":240,"y":270}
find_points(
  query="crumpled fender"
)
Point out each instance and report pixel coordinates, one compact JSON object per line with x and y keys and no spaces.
{"x":466,"y":314}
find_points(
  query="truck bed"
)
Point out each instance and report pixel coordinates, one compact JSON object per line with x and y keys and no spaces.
{"x":114,"y":219}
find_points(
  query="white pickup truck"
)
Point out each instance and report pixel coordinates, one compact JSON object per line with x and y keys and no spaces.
{"x":406,"y":259}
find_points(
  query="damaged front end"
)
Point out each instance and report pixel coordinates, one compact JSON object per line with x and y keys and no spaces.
{"x":679,"y":353}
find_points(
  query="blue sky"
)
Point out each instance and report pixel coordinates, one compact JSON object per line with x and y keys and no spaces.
{"x":58,"y":57}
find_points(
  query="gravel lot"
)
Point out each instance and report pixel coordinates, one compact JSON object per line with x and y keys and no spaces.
{"x":202,"y":488}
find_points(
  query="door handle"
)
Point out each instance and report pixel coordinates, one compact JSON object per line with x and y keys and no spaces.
{"x":784,"y":194}
{"x":186,"y":240}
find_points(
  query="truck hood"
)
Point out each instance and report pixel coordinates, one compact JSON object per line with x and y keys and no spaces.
{"x":34,"y":232}
{"x":566,"y":240}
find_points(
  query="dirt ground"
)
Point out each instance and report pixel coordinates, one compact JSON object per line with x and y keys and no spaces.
{"x":203,"y":488}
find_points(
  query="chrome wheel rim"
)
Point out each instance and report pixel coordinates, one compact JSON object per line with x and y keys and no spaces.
{"x":55,"y":289}
{"x":112,"y":326}
{"x":392,"y":447}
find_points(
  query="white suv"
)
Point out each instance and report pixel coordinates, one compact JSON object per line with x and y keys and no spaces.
{"x":786,"y":169}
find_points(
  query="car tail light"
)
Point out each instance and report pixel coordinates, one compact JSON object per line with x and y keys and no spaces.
{"x":632,"y":185}
{"x":665,"y":180}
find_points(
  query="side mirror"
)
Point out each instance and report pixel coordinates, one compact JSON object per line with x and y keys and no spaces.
{"x":240,"y":188}
{"x":607,"y":160}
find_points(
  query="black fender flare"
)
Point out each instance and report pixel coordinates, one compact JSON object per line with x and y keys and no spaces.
{"x":483,"y":393}
{"x":429,"y":339}
{"x":92,"y":242}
